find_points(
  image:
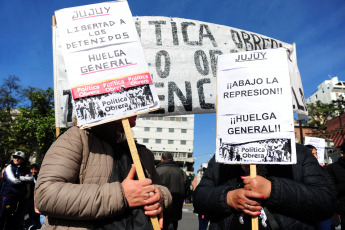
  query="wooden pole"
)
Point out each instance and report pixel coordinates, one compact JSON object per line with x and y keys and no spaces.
{"x":301,"y":131}
{"x":136,"y":161}
{"x":255,"y":219}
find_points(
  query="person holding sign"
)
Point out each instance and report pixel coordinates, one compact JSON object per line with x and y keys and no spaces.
{"x":87,"y":181}
{"x":283,"y":196}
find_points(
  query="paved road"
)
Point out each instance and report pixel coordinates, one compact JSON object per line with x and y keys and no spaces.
{"x":189,"y":219}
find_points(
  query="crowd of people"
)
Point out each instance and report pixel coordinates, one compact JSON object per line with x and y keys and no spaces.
{"x":17,"y":194}
{"x":87,"y":181}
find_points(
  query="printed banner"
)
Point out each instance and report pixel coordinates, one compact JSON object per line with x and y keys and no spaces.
{"x":101,"y":49}
{"x":319,"y":144}
{"x":182,"y":58}
{"x":254,"y":113}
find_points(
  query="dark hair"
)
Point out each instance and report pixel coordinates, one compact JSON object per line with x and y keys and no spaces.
{"x":167,"y":156}
{"x":310,"y":147}
{"x":34,"y":166}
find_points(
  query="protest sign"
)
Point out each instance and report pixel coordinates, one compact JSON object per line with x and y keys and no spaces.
{"x":182,"y":57}
{"x":319,"y":144}
{"x":254,"y":110}
{"x":101,"y":48}
{"x":105,"y":63}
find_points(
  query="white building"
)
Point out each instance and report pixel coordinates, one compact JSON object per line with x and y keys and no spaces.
{"x":327,"y":91}
{"x":173,"y":134}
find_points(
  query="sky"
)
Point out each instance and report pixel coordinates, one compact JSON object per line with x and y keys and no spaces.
{"x":317,"y":28}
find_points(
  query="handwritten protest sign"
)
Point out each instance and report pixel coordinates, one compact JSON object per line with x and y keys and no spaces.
{"x":254,"y":110}
{"x":101,"y":48}
{"x":182,"y":57}
{"x":105,"y":63}
{"x":319,"y":144}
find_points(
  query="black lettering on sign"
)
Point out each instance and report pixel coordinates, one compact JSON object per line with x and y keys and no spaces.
{"x":257,"y":41}
{"x":201,"y":94}
{"x":252,"y":41}
{"x":174,"y":33}
{"x":208,"y":34}
{"x":265,"y":41}
{"x":236,"y":38}
{"x":138,"y":27}
{"x":246,"y":39}
{"x":204,"y":69}
{"x":158,"y":31}
{"x":186,"y":100}
{"x":213,"y":56}
{"x":163,"y":73}
{"x":185,"y":34}
{"x":69,"y":104}
{"x":299,"y":106}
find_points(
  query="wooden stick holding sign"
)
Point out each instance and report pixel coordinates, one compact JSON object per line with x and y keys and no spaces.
{"x":255,"y":219}
{"x":136,"y":161}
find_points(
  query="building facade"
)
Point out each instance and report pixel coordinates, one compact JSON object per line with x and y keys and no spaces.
{"x":173,"y":134}
{"x":327,"y":91}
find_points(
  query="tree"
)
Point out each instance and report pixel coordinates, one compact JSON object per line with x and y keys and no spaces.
{"x":35,"y":124}
{"x":10,"y":95}
{"x":320,"y":113}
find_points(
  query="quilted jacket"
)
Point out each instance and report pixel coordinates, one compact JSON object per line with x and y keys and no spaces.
{"x":72,"y":187}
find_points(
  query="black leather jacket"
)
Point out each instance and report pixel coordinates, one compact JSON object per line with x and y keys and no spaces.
{"x":300,"y":194}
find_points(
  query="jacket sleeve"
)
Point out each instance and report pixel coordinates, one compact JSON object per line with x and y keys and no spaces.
{"x":58,"y":192}
{"x":10,"y":177}
{"x":209,"y":197}
{"x":167,"y":199}
{"x":308,"y":196}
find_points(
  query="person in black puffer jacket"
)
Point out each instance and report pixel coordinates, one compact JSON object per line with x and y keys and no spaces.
{"x":337,"y":171}
{"x":292,"y":196}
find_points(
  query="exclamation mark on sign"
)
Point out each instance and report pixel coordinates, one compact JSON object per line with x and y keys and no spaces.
{"x":277,"y":127}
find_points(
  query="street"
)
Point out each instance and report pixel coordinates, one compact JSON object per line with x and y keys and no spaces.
{"x":189,"y":219}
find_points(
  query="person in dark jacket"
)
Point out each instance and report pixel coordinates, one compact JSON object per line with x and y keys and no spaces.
{"x":283,"y":196}
{"x":34,"y":218}
{"x":175,"y":179}
{"x":337,"y":171}
{"x":13,"y":192}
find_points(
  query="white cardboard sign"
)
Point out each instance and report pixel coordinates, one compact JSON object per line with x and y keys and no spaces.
{"x":254,"y":111}
{"x":319,"y":144}
{"x":101,"y":49}
{"x":105,"y":64}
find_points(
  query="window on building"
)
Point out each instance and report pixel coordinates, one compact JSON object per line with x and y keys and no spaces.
{"x":159,"y":130}
{"x":160,"y":118}
{"x":158,"y":141}
{"x":316,"y":96}
{"x":184,"y":118}
{"x":148,"y":118}
{"x":145,"y":140}
{"x":146,"y":129}
{"x":183,"y":130}
{"x":171,"y":130}
{"x":172,"y":118}
{"x":183,"y":142}
{"x":170,"y":142}
{"x":178,"y":118}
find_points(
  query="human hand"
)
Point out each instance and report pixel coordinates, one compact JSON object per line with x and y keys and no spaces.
{"x":245,"y":201}
{"x":258,"y":184}
{"x":154,"y":206}
{"x":137,"y":191}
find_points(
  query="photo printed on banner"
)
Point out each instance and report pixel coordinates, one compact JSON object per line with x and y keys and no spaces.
{"x":100,"y":107}
{"x":265,"y":151}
